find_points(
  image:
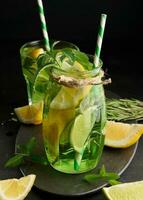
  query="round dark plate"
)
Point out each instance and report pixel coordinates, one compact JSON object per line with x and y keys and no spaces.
{"x":50,"y":180}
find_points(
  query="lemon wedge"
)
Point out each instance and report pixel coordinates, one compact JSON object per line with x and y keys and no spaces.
{"x":30,"y":114}
{"x":122,"y":135}
{"x":125,"y":191}
{"x":16,"y":189}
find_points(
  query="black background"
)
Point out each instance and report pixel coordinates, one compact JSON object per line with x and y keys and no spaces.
{"x":74,"y":21}
{"x":77,"y":22}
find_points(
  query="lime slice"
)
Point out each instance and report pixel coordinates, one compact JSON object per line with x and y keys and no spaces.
{"x":81,"y":129}
{"x":125,"y":191}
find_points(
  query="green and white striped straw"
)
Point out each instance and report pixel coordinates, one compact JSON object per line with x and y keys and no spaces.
{"x":99,"y":39}
{"x":43,"y":23}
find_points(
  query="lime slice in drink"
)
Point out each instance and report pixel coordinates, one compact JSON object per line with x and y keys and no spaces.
{"x":81,"y":129}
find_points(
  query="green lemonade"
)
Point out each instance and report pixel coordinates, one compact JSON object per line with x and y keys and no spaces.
{"x":32,"y":64}
{"x":74,"y":105}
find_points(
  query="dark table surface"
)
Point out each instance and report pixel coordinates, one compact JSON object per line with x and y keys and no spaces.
{"x":126,"y":74}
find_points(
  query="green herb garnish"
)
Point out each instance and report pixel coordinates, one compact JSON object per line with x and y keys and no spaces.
{"x":124,"y":109}
{"x":111,"y":177}
{"x":114,"y":182}
{"x":27,"y":148}
{"x":15,"y":161}
{"x":26,"y":153}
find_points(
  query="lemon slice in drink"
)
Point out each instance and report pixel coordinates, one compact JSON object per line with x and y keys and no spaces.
{"x":30,"y":114}
{"x":16,"y":189}
{"x":36,"y":52}
{"x":125,"y":191}
{"x":81,"y":129}
{"x":122,"y":135}
{"x":70,"y":97}
{"x":53,"y":126}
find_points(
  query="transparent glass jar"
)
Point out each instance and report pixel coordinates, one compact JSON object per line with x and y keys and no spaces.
{"x":73,"y":125}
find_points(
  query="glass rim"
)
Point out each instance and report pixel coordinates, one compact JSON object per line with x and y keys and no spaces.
{"x":35,"y":42}
{"x":41,"y":42}
{"x":58,"y":71}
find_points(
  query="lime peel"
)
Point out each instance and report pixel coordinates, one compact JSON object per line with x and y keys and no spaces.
{"x":125,"y":191}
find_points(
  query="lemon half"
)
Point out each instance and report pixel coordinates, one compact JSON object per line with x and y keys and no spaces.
{"x":16,"y":189}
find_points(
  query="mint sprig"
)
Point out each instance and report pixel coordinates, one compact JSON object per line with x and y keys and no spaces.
{"x":114,"y":182}
{"x":26,"y":153}
{"x":15,"y":161}
{"x":111,"y":177}
{"x":28,"y":147}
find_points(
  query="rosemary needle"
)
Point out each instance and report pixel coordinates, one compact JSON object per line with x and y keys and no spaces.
{"x":124,"y":109}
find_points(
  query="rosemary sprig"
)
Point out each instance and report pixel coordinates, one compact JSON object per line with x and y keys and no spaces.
{"x":124,"y":109}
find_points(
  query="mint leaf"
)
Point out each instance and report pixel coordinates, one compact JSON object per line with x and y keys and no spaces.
{"x":72,"y":55}
{"x":102,"y":175}
{"x":114,"y":182}
{"x":27,"y":149}
{"x":25,"y":153}
{"x":102,"y":171}
{"x":39,"y":159}
{"x":42,"y":86}
{"x":31,"y":145}
{"x":83,"y":59}
{"x":15,"y":161}
{"x":96,"y":177}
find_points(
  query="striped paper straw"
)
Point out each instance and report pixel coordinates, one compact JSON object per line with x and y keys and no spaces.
{"x":99,"y":39}
{"x":43,"y":23}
